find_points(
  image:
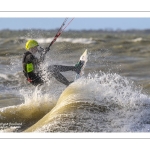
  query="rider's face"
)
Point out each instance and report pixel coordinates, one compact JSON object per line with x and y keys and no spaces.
{"x":34,"y":49}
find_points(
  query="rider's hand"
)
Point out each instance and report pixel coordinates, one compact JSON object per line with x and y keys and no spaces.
{"x":47,"y":49}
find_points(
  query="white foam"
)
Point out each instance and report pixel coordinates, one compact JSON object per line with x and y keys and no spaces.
{"x":125,"y":103}
{"x":137,"y":39}
{"x":60,"y":39}
{"x":4,"y":76}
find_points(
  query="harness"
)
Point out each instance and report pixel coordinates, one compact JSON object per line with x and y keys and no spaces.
{"x":28,"y":69}
{"x":27,"y":66}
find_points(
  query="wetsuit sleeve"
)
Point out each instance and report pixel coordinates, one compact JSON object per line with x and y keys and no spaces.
{"x":42,"y":55}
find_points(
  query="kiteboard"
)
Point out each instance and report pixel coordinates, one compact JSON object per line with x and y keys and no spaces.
{"x":84,"y":59}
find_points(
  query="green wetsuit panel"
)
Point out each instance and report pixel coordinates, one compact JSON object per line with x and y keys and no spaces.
{"x":30,"y":67}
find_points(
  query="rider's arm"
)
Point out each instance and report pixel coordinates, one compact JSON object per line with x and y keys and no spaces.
{"x":42,"y":52}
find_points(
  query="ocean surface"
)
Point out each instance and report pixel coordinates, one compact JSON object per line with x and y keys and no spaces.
{"x":113,"y":95}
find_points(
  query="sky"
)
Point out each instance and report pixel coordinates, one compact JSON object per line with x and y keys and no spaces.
{"x":84,"y":23}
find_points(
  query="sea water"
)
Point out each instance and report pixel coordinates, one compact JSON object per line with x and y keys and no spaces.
{"x":112,"y":96}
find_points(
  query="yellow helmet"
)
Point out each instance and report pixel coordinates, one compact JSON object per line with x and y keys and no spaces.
{"x":31,"y":44}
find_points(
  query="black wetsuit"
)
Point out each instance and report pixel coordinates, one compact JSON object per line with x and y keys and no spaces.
{"x":31,"y":64}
